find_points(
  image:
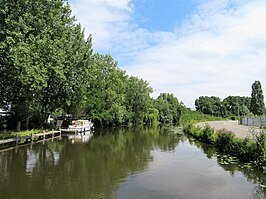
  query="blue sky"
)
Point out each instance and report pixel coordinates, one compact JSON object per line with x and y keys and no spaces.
{"x":162,"y":15}
{"x":185,"y":47}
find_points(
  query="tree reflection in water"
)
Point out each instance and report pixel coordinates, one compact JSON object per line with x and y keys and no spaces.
{"x":96,"y":169}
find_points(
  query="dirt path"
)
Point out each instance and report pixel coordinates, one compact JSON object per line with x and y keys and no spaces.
{"x":240,"y":131}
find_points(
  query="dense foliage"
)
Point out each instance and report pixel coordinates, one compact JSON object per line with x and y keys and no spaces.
{"x":44,"y":58}
{"x":236,"y":105}
{"x":209,"y":105}
{"x":169,"y":108}
{"x":48,"y":67}
{"x":233,"y":105}
{"x":230,"y":106}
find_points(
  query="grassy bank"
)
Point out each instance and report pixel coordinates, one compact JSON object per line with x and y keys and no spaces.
{"x":189,"y":116}
{"x":12,"y":134}
{"x":246,"y":150}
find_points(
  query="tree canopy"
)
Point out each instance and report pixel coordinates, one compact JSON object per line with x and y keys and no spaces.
{"x":209,"y":105}
{"x":169,"y":108}
{"x":233,"y":105}
{"x":47,"y":66}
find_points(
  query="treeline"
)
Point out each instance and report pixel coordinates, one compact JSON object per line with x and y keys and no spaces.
{"x":47,"y":66}
{"x":233,"y":105}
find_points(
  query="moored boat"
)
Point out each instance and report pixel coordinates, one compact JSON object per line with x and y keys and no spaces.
{"x":83,"y":127}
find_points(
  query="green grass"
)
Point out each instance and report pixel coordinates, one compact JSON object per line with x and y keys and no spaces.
{"x":196,"y":116}
{"x":6,"y":135}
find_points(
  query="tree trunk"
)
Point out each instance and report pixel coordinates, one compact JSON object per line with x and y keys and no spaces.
{"x":18,"y":125}
{"x":27,"y":123}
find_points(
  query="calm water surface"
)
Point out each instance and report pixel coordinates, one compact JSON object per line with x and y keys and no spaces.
{"x":124,"y":163}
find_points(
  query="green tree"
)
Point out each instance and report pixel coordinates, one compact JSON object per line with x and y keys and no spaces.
{"x":236,"y":105}
{"x":105,"y":102}
{"x":47,"y":66}
{"x":20,"y":73}
{"x":138,"y":100}
{"x":169,"y":108}
{"x":209,"y":105}
{"x":77,"y":72}
{"x":257,"y":106}
{"x":44,"y":58}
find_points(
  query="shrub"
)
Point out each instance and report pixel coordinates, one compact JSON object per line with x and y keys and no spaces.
{"x":224,"y":140}
{"x":187,"y":128}
{"x":197,"y":133}
{"x":233,"y":117}
{"x":193,"y":131}
{"x":260,"y":141}
{"x":208,"y":135}
{"x":247,"y":150}
{"x":244,"y":149}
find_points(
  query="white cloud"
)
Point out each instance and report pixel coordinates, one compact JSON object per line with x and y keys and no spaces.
{"x":102,"y":18}
{"x":215,"y":53}
{"x":220,"y":50}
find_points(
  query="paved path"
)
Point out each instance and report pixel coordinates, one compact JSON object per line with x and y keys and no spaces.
{"x":240,"y":131}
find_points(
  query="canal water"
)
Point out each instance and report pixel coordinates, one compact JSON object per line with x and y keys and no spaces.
{"x":133,"y":163}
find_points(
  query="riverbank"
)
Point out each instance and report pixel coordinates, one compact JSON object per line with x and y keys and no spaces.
{"x":240,"y":131}
{"x":249,"y":149}
{"x":25,"y":138}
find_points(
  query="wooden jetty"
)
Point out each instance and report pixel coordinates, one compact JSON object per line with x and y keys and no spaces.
{"x":32,"y":138}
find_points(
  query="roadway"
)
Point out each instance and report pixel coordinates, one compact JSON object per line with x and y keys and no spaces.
{"x":241,"y":131}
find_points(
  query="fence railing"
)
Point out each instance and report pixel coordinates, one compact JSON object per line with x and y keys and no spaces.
{"x":258,"y":122}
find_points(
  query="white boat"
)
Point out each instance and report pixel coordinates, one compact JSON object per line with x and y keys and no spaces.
{"x":83,"y":127}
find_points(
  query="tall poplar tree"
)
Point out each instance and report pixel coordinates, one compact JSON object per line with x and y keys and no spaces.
{"x":257,"y":106}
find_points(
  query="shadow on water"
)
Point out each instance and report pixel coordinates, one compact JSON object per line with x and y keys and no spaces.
{"x":96,"y":168}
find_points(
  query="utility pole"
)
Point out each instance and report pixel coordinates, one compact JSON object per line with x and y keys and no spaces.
{"x":238,"y":113}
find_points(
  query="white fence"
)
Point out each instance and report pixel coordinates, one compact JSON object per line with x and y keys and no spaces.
{"x":258,"y":122}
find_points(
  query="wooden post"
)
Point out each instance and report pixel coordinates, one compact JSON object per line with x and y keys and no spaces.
{"x":17,"y":139}
{"x":43,"y":137}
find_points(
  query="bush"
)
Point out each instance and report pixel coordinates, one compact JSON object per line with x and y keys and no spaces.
{"x":193,"y":131}
{"x":197,"y":133}
{"x":187,"y":128}
{"x":208,"y":135}
{"x":224,"y":140}
{"x":260,"y":141}
{"x":233,"y":118}
{"x":246,"y":150}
